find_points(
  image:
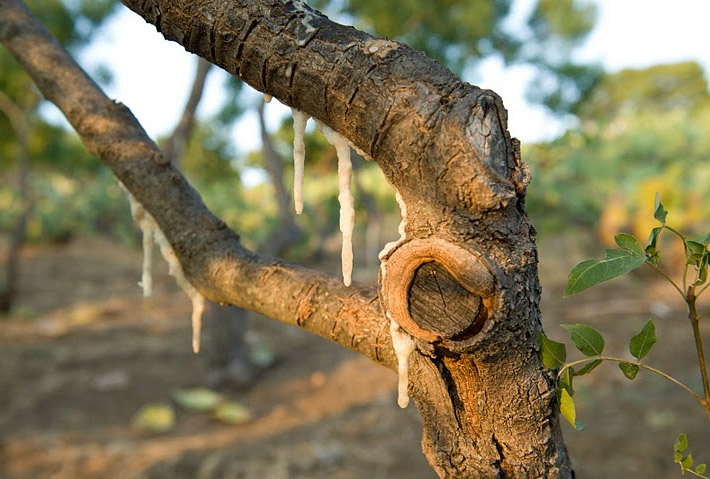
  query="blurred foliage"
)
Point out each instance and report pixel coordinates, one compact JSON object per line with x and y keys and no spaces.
{"x":642,"y":131}
{"x":50,"y":147}
{"x":209,"y":153}
{"x":72,"y":22}
{"x":460,"y":33}
{"x":67,"y":205}
{"x":253,"y":212}
{"x":232,"y":106}
{"x":58,"y":210}
{"x":662,"y":88}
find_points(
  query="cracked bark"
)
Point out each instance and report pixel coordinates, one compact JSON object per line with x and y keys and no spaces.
{"x":487,"y":403}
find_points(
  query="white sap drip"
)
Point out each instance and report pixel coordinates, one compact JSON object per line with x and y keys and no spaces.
{"x":175,"y":270}
{"x":401,"y":229}
{"x":307,"y":16}
{"x":299,"y":157}
{"x":151,"y":231}
{"x":147,"y":225}
{"x":347,"y":205}
{"x":403,"y":345}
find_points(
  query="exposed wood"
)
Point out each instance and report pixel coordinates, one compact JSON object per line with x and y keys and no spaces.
{"x":435,"y":294}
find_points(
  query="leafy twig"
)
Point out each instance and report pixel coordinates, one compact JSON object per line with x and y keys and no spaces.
{"x":636,"y":363}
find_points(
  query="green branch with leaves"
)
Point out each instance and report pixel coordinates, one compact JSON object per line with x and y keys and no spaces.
{"x":629,"y":256}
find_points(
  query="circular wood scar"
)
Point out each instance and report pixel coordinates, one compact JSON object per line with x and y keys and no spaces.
{"x":433,"y":289}
{"x":439,"y":304}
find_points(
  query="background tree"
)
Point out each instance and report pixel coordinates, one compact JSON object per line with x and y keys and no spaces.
{"x":460,"y":34}
{"x":33,"y":140}
{"x":641,"y":132}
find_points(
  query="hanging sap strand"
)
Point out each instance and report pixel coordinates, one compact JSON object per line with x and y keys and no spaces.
{"x":403,"y":345}
{"x":151,"y":231}
{"x":345,"y":198}
{"x":147,"y":225}
{"x":175,"y":270}
{"x":299,"y":157}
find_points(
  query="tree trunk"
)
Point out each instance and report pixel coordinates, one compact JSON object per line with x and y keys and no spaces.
{"x":373,"y":217}
{"x":462,"y":280}
{"x":177,"y":141}
{"x":288,"y":233}
{"x":8,"y":284}
{"x":233,"y":366}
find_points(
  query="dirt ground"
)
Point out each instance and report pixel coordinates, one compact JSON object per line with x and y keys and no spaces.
{"x":84,"y":352}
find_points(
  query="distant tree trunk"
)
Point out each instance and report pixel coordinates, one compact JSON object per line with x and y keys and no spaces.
{"x":463,"y":279}
{"x":227,"y":324}
{"x":373,"y":216}
{"x":229,"y":351}
{"x":288,"y":232}
{"x":8,"y":284}
{"x":177,"y":141}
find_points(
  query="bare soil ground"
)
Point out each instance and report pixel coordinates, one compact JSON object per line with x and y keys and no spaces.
{"x":84,"y":352}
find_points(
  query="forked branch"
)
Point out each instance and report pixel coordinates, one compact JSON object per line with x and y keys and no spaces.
{"x":210,"y":253}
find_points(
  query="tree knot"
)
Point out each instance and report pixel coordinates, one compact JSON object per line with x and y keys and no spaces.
{"x":436,"y":290}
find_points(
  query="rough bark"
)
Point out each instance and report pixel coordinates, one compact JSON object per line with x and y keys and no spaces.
{"x":487,"y":403}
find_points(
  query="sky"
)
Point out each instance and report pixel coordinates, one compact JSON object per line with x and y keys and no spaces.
{"x":152,"y":76}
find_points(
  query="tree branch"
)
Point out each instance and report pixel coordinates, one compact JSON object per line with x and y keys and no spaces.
{"x":407,"y":112}
{"x":210,"y":253}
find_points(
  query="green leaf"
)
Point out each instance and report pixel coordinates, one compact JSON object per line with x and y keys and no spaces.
{"x":553,"y":354}
{"x":589,"y":273}
{"x":567,"y":409}
{"x":652,"y":253}
{"x":659,"y":212}
{"x":705,"y":239}
{"x":641,"y":344}
{"x":687,"y":463}
{"x":587,"y":368}
{"x":197,"y":400}
{"x":154,"y":418}
{"x":701,"y":468}
{"x":628,"y":243}
{"x":652,"y":242}
{"x":586,"y":339}
{"x":629,"y":370}
{"x":566,"y":380}
{"x":695,"y":252}
{"x":703,"y":270}
{"x":677,"y":457}
{"x":232,"y":413}
{"x":681,"y":444}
